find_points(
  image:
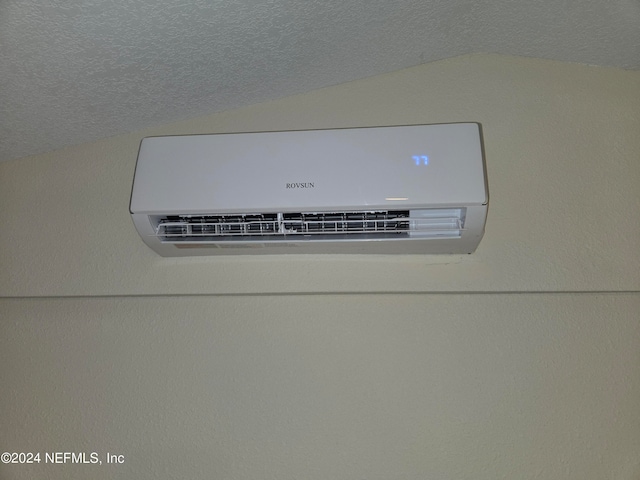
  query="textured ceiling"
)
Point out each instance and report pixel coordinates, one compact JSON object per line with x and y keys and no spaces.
{"x":76,"y":71}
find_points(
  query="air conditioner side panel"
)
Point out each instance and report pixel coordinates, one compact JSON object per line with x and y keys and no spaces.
{"x":148,"y":235}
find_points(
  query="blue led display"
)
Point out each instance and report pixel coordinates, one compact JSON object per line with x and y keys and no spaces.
{"x":421,"y":159}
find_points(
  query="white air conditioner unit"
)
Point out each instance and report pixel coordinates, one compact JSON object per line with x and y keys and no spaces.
{"x":405,"y":189}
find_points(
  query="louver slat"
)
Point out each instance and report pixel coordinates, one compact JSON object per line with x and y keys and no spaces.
{"x":207,"y":228}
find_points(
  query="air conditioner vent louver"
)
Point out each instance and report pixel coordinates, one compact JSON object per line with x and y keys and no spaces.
{"x":203,"y":228}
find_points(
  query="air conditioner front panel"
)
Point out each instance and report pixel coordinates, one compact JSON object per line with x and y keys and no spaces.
{"x":344,"y":169}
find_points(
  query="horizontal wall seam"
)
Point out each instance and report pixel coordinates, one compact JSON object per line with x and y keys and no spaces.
{"x":287,"y":294}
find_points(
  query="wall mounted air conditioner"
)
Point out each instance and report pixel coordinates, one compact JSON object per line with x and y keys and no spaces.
{"x":405,"y":189}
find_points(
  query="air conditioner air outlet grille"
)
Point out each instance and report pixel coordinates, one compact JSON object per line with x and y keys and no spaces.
{"x":308,"y":225}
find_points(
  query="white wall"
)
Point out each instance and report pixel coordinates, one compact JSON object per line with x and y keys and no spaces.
{"x":562,"y":150}
{"x":225,"y":368}
{"x":474,"y":387}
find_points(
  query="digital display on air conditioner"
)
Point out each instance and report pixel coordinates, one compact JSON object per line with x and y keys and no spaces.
{"x":421,"y":159}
